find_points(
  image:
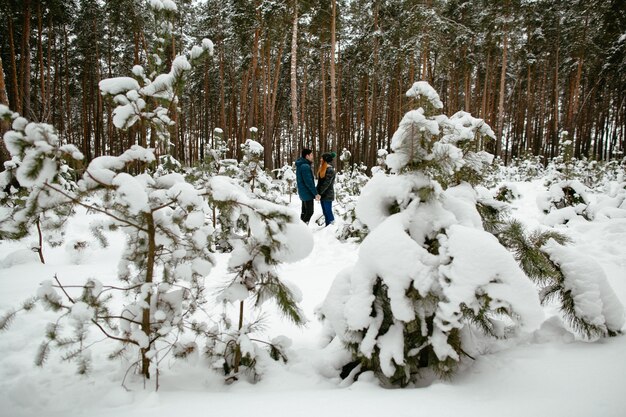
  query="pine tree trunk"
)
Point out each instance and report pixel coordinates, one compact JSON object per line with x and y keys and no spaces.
{"x":42,"y":79}
{"x":50,"y":110}
{"x":25,"y":65}
{"x":574,"y":107}
{"x":4,"y":125}
{"x":333,"y":92}
{"x":555,"y":107}
{"x":269,"y":148}
{"x":17,"y":99}
{"x":505,"y":49}
{"x":303,"y":108}
{"x":68,"y":97}
{"x":322,"y":135}
{"x":145,"y":318}
{"x":294,"y":76}
{"x":223,"y":97}
{"x":485,"y":92}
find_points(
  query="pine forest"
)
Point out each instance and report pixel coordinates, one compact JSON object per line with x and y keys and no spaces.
{"x":327,"y":74}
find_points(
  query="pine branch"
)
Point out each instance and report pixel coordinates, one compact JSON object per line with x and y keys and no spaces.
{"x":6,"y":319}
{"x":42,"y":354}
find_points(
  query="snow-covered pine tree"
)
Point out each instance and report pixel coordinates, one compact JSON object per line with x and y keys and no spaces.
{"x":273,"y":234}
{"x":428,"y":276}
{"x":348,"y":187}
{"x":164,"y":221}
{"x":252,"y":174}
{"x":38,"y":155}
{"x":162,"y":215}
{"x":287,"y":177}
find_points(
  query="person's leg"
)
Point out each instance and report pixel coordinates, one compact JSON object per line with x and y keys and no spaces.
{"x":327,"y":209}
{"x":331,"y":216}
{"x":303,"y":212}
{"x":307,"y":211}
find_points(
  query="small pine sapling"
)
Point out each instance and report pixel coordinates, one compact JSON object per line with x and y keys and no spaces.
{"x":272,"y":234}
{"x":348,"y":187}
{"x":164,"y":217}
{"x":429,"y":278}
{"x":38,"y":158}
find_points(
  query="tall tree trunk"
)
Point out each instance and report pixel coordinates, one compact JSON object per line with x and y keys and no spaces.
{"x":573,"y":111}
{"x":294,"y":76}
{"x":303,"y":107}
{"x":485,"y":92}
{"x":4,"y":125}
{"x":505,"y":49}
{"x":333,"y":93}
{"x":223,"y":97}
{"x":25,"y":67}
{"x":529,"y":109}
{"x":555,"y":104}
{"x":322,"y":135}
{"x":42,"y":79}
{"x":273,"y":94}
{"x":68,"y":97}
{"x":16,"y":101}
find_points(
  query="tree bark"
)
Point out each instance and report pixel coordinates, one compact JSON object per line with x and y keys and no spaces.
{"x":333,"y":93}
{"x":42,"y":79}
{"x":25,"y":64}
{"x":4,"y":125}
{"x":294,"y":76}
{"x":16,"y":101}
{"x":505,"y":49}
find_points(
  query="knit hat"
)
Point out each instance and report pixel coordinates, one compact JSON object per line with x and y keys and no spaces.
{"x":329,"y":156}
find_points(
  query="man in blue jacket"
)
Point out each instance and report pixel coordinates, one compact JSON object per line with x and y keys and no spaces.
{"x":306,"y":184}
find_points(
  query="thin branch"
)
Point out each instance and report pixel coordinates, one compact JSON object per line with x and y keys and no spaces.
{"x":63,"y":289}
{"x":97,"y":209}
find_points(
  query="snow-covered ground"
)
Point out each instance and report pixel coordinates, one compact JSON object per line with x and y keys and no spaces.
{"x":547,"y":374}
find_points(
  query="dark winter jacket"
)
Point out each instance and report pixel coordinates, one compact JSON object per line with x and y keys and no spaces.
{"x":325,"y":186}
{"x":305,"y":179}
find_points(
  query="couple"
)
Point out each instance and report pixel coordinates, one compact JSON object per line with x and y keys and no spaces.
{"x":324,"y":192}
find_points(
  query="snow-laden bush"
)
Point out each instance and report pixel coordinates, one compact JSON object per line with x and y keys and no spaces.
{"x":567,"y":277}
{"x":610,"y":202}
{"x":253,"y":176}
{"x":427,"y":275}
{"x":348,"y":187}
{"x":563,"y":201}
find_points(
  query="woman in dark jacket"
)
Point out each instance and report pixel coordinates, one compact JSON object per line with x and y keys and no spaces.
{"x":325,"y":186}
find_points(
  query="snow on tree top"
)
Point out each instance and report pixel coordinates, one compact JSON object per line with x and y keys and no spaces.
{"x":464,"y":125}
{"x":163,"y":5}
{"x":138,"y":71}
{"x":423,"y":89}
{"x":207,"y":45}
{"x":5,"y":111}
{"x":19,"y":123}
{"x":118,"y":85}
{"x":254,"y":147}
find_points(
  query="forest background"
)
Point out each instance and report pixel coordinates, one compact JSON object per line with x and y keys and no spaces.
{"x":325,"y":74}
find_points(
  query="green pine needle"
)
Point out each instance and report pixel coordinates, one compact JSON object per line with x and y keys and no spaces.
{"x":6,"y":319}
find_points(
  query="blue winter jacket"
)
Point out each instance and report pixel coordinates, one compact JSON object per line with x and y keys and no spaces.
{"x":304,"y":178}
